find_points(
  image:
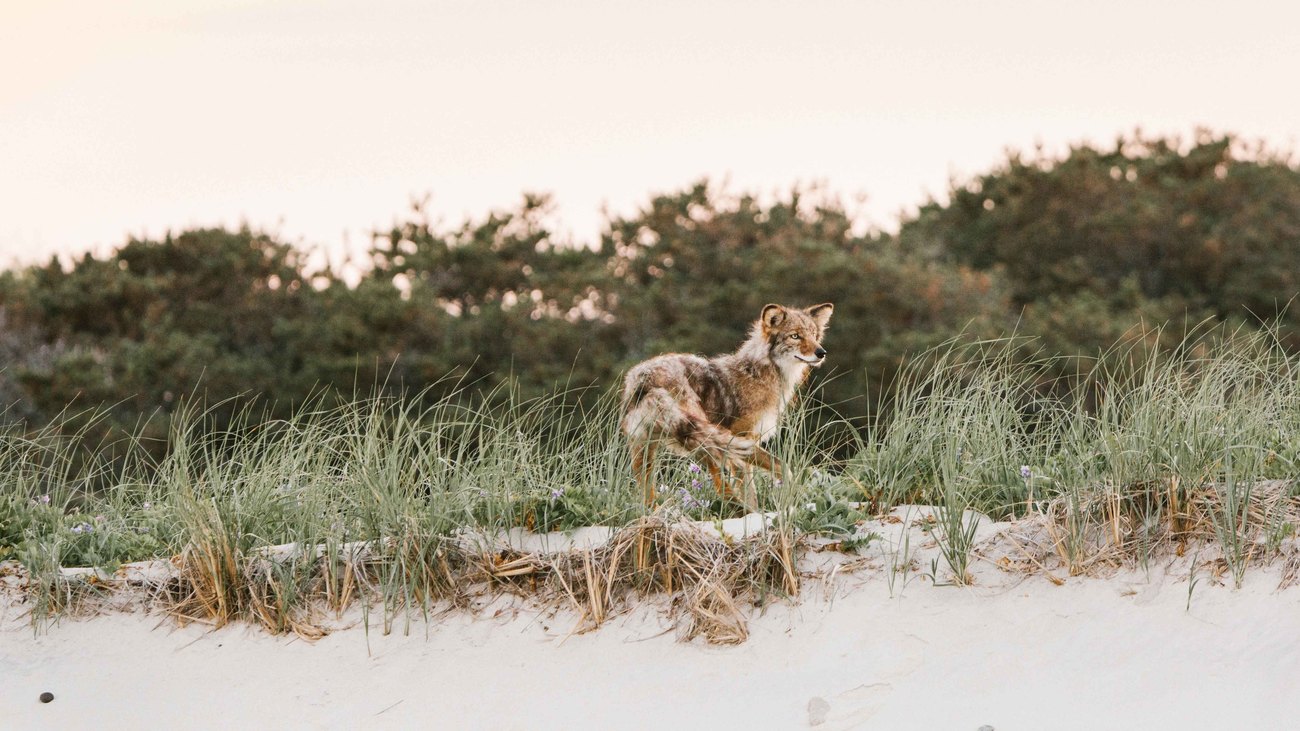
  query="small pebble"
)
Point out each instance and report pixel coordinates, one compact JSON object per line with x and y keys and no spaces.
{"x":46,"y":697}
{"x":985,"y":727}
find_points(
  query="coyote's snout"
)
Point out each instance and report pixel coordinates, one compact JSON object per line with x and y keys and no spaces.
{"x":719,"y":410}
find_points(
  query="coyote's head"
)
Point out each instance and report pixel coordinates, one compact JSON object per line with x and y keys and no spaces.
{"x":796,"y":335}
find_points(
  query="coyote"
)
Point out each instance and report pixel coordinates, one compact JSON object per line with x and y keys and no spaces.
{"x":718,"y":410}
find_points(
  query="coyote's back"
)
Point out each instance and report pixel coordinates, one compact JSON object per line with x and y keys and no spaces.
{"x":718,"y":410}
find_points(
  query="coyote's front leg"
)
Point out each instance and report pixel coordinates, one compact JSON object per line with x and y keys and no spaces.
{"x":763,"y":459}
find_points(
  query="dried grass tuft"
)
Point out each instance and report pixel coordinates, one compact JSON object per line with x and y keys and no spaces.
{"x":710,"y":579}
{"x":217,"y":588}
{"x":1111,"y":528}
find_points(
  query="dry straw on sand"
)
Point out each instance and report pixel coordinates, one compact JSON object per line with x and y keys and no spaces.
{"x":710,"y":577}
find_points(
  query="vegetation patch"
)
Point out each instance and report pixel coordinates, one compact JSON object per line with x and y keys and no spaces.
{"x":408,"y":508}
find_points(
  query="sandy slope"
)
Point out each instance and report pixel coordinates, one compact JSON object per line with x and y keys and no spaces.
{"x":1093,"y":654}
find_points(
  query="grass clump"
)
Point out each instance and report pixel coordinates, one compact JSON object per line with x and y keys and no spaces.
{"x":1195,"y":444}
{"x":407,"y":504}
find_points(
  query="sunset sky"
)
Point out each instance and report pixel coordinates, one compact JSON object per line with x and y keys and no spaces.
{"x":319,"y":120}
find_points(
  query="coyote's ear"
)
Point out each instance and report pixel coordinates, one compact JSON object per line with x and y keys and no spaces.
{"x":821,"y":313}
{"x":773,"y":315}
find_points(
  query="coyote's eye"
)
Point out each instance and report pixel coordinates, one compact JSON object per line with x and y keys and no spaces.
{"x":794,"y":336}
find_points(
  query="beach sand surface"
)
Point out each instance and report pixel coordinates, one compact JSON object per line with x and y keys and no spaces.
{"x":1009,"y":652}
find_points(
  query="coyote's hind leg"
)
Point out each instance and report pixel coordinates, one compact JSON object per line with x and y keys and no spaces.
{"x":643,"y":466}
{"x":739,"y":481}
{"x":764,"y":459}
{"x":719,"y":482}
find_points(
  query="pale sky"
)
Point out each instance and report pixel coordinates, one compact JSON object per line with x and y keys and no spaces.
{"x":320,"y":120}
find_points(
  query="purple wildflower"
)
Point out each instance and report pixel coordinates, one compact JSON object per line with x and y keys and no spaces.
{"x":1025,"y":472}
{"x":695,"y":484}
{"x":147,"y":505}
{"x":689,"y":501}
{"x":45,"y":500}
{"x":694,"y":468}
{"x":557,"y":493}
{"x":83,"y":528}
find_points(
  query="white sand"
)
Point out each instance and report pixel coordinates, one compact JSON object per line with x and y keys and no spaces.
{"x":1093,"y":654}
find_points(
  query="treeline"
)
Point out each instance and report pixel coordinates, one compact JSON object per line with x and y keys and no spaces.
{"x":1079,"y":252}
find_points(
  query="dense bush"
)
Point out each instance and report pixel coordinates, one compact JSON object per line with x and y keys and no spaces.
{"x":1134,"y":244}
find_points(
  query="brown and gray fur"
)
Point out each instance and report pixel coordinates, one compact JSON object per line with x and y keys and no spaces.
{"x":719,"y":410}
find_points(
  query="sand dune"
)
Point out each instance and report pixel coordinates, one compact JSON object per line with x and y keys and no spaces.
{"x":1009,"y":652}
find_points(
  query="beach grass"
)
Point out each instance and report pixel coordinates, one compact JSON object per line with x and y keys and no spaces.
{"x":404,"y":504}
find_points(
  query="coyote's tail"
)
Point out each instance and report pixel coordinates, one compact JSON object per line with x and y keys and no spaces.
{"x":655,"y":414}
